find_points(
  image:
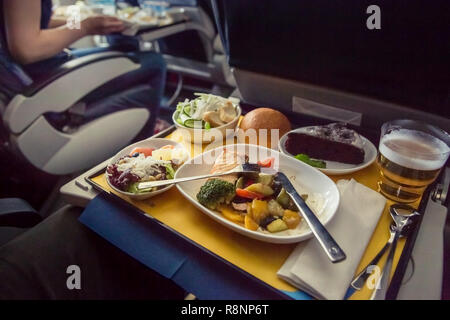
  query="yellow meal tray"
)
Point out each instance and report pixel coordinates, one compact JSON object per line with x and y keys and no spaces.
{"x":260,"y":259}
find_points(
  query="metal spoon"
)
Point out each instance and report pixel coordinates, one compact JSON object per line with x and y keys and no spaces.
{"x":401,"y":222}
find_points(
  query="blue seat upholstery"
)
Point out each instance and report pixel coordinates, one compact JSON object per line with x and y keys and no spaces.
{"x":15,"y":212}
{"x":16,"y":215}
{"x":12,"y":77}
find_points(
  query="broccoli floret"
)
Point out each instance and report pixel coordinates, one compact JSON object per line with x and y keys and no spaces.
{"x":215,"y":192}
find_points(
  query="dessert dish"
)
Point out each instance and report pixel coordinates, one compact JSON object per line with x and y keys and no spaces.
{"x":332,"y":142}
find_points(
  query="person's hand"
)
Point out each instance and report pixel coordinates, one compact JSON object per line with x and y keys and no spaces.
{"x":102,"y":25}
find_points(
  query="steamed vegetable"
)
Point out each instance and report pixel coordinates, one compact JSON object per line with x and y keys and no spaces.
{"x":244,"y":193}
{"x":285,"y":200}
{"x":266,"y":179}
{"x":291,"y":218}
{"x":230,"y":214}
{"x":259,"y":210}
{"x":240,"y":183}
{"x":277,"y":226}
{"x":260,"y":188}
{"x":257,"y":201}
{"x":275,"y":208}
{"x":215,"y":192}
{"x":249,"y":223}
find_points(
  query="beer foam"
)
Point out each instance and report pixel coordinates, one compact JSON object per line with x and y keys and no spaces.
{"x":424,"y":152}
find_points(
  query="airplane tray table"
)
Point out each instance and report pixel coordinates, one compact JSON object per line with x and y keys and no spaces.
{"x":141,"y":29}
{"x":206,"y":243}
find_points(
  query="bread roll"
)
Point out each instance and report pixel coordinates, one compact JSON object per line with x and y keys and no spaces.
{"x":263,"y":118}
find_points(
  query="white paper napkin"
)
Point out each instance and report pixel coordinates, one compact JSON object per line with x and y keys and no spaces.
{"x":308,"y":267}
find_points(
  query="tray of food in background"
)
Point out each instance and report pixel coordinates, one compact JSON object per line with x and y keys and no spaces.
{"x":137,"y":19}
{"x":134,"y":18}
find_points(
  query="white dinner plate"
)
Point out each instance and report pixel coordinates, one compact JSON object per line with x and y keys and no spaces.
{"x":333,"y":167}
{"x":304,"y":178}
{"x":155,"y":143}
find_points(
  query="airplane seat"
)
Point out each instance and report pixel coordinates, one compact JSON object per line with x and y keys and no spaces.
{"x":16,"y":216}
{"x":197,"y":53}
{"x":188,"y":44}
{"x":293,"y":61}
{"x":25,"y":106}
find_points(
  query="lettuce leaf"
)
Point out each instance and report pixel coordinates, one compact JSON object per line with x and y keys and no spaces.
{"x":170,"y":172}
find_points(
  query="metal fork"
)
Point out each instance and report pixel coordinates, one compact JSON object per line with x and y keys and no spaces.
{"x":359,"y":281}
{"x":243,"y":168}
{"x":401,"y":221}
{"x":362,"y":277}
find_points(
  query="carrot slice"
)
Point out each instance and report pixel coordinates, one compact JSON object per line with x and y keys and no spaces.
{"x":250,"y":224}
{"x":231,"y":215}
{"x":248,"y":194}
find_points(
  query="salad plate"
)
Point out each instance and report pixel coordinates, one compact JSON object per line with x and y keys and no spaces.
{"x":146,"y":160}
{"x":207,"y":117}
{"x":321,"y":190}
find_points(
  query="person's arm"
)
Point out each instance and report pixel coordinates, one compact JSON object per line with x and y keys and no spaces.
{"x":27,"y":43}
{"x":56,"y":22}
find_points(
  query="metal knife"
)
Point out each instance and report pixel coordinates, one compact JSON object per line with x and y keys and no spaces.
{"x":332,"y":249}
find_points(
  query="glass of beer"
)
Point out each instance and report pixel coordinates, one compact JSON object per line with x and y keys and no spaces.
{"x":411,"y":155}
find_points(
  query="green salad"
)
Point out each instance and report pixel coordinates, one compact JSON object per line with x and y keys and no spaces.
{"x":206,"y":111}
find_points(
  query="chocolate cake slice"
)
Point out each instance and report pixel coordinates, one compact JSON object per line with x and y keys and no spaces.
{"x":333,"y":142}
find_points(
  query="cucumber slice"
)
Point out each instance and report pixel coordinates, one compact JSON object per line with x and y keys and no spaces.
{"x":192,"y":123}
{"x":187,"y":110}
{"x":183,"y":118}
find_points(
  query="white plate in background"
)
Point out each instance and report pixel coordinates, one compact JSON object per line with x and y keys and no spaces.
{"x":333,"y":167}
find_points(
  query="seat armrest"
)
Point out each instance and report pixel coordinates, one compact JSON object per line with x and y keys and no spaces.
{"x":70,"y":66}
{"x":15,"y":212}
{"x":63,"y":87}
